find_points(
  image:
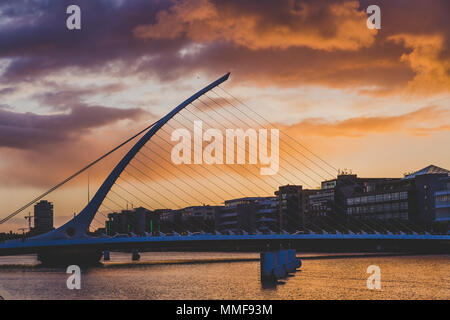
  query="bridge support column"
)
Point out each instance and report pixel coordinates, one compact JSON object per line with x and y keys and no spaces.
{"x":267,"y":266}
{"x":282,"y":257}
{"x":135,"y":256}
{"x":293,"y":261}
{"x":271,"y":268}
{"x":106,"y":255}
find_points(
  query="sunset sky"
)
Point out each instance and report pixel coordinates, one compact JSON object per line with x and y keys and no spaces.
{"x":373,"y":101}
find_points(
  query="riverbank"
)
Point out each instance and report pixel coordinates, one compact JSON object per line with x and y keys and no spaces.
{"x":4,"y":295}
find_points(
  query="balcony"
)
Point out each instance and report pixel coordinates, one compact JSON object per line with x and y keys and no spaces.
{"x":228,"y":215}
{"x":267,"y":210}
{"x":442,"y":199}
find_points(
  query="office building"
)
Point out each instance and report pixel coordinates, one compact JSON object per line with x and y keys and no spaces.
{"x":331,"y":199}
{"x":414,"y":197}
{"x":293,"y":206}
{"x":250,"y":214}
{"x":138,"y":221}
{"x":198,"y":218}
{"x":43,"y":217}
{"x":442,"y":207}
{"x":169,"y":220}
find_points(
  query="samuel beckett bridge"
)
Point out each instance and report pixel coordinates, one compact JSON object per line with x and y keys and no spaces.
{"x":73,"y":243}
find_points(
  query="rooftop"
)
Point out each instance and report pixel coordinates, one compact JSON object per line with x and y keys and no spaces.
{"x":431,"y":169}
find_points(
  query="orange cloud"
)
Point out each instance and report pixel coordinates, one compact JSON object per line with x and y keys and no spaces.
{"x":419,"y":122}
{"x":341,"y":26}
{"x":432,"y":69}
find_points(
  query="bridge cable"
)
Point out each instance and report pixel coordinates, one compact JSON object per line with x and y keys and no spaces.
{"x":252,"y":119}
{"x":185,"y":183}
{"x":145,"y":194}
{"x":210,"y":170}
{"x":176,"y":167}
{"x":300,"y":144}
{"x":221,"y":107}
{"x":232,"y":168}
{"x":259,"y":178}
{"x":171,"y":183}
{"x":307,"y":184}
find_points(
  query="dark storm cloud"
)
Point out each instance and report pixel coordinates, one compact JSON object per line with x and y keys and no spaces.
{"x":32,"y":131}
{"x":286,"y":43}
{"x":289,"y":43}
{"x":64,"y":98}
{"x":38,"y":42}
{"x":6,"y":91}
{"x":74,"y":117}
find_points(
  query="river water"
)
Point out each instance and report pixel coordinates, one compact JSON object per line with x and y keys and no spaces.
{"x":175,"y":275}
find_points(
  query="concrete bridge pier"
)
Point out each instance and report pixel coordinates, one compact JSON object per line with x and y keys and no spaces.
{"x":135,"y":256}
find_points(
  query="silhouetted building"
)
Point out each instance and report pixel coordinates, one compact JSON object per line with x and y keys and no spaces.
{"x":413,"y":198}
{"x":293,"y":206}
{"x":427,"y":182}
{"x":322,"y":202}
{"x":267,"y":214}
{"x":141,"y":220}
{"x":10,"y":236}
{"x":339,"y":205}
{"x":250,"y":214}
{"x":331,"y":199}
{"x":393,"y":200}
{"x":170,"y":220}
{"x":442,"y":207}
{"x":43,"y":217}
{"x":138,"y":221}
{"x":198,"y":218}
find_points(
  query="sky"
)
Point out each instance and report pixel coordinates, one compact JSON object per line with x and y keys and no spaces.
{"x":375,"y":102}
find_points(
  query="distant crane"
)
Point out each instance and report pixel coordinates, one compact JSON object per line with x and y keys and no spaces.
{"x":29,"y":220}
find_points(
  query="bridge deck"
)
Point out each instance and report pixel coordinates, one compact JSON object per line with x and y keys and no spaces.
{"x":137,"y":242}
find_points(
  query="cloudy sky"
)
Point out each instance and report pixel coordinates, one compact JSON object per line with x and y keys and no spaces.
{"x":373,"y":101}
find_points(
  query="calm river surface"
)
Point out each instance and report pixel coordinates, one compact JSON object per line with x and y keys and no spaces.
{"x":402,"y":277}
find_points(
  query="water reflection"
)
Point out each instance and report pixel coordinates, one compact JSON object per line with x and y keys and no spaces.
{"x":413,"y":277}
